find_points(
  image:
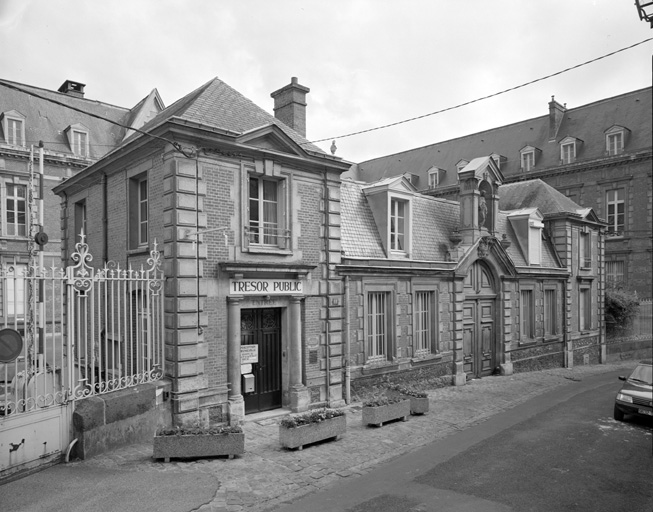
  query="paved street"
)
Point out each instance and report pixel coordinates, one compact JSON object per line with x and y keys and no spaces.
{"x":268,"y":476}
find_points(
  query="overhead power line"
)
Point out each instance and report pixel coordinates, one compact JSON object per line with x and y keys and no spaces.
{"x":482,"y":98}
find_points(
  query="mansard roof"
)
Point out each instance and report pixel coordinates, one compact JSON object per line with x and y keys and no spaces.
{"x":632,"y":110}
{"x":46,"y":121}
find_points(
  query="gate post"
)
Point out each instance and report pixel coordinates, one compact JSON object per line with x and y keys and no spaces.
{"x":236,"y":402}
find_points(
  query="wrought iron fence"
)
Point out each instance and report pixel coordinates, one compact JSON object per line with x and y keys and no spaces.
{"x":84,"y":331}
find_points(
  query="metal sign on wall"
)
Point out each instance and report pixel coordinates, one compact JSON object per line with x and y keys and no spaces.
{"x":265,"y":287}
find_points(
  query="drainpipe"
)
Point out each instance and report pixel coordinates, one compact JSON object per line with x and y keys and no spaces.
{"x":327,"y":261}
{"x":347,"y":334}
{"x":105,"y":217}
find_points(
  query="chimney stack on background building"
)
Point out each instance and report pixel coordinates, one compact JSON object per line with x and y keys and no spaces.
{"x":72,"y":88}
{"x":290,"y":105}
{"x":556,"y":113}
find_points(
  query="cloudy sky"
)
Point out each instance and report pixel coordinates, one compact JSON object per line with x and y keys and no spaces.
{"x":367,"y":62}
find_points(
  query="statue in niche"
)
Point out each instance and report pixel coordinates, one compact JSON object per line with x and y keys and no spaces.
{"x":482,"y":210}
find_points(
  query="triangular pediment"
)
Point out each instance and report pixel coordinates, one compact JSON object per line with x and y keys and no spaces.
{"x":396,"y":184}
{"x":270,"y":137}
{"x":482,"y":168}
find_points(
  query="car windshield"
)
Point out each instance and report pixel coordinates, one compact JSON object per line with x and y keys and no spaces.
{"x":643,"y":373}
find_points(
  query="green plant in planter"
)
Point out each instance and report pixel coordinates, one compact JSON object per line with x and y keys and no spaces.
{"x":409,"y":391}
{"x":196,"y":441}
{"x":314,"y":416}
{"x":380,"y":401}
{"x":298,"y":430}
{"x":379,"y":410}
{"x":196,"y":430}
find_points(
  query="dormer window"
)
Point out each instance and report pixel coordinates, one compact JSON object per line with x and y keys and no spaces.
{"x":13,"y":126}
{"x":434,"y":177}
{"x":528,"y":227}
{"x":461,"y":165}
{"x":569,"y":148}
{"x":78,"y":139}
{"x":498,"y":159}
{"x":528,"y":157}
{"x":615,"y":140}
{"x":398,"y":212}
{"x":413,"y":179}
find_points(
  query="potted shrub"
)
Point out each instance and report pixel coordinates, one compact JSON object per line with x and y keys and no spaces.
{"x":188,"y":442}
{"x":297,"y":430}
{"x":419,"y":400}
{"x":380,"y":410}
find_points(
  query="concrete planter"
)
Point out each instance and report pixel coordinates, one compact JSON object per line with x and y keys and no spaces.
{"x":379,"y":415}
{"x":419,"y":405}
{"x":312,"y":433}
{"x":201,"y":445}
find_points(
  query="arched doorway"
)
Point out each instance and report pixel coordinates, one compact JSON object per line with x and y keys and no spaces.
{"x":479,"y":322}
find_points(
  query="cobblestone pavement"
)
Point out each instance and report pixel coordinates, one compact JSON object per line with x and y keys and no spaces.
{"x":268,"y":475}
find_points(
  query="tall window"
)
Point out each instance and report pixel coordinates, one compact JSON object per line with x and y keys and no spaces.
{"x":16,"y":209}
{"x":423,"y":319}
{"x":527,"y":161}
{"x":15,"y":132}
{"x":397,"y":225}
{"x":434,"y":178}
{"x":615,"y":143}
{"x":585,"y":250}
{"x":80,"y":143}
{"x":585,"y":309}
{"x":616,"y":208}
{"x":80,"y":219}
{"x":568,"y":152}
{"x":263,"y":211}
{"x":614,"y":272}
{"x":377,"y":326}
{"x":138,"y":212}
{"x":550,"y":312}
{"x":527,"y":315}
{"x":14,"y":285}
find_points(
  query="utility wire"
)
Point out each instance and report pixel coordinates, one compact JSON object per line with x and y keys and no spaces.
{"x":480,"y":99}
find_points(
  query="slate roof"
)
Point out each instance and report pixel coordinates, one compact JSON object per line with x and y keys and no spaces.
{"x":216,"y":104}
{"x":632,"y":110}
{"x":535,"y":193}
{"x":47,"y":121}
{"x":433,"y":220}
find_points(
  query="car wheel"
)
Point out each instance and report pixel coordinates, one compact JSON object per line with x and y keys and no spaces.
{"x":618,"y":414}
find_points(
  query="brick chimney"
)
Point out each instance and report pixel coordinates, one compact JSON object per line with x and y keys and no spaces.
{"x":556,"y":114}
{"x":72,"y":88}
{"x":290,"y":105}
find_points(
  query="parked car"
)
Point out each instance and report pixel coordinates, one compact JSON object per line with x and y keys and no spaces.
{"x":636,"y":395}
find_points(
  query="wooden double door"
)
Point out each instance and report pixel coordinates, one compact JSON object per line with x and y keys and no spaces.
{"x":479,"y":322}
{"x":479,"y":337}
{"x":262,"y":327}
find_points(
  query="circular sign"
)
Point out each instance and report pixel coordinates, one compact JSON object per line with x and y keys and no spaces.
{"x":11,"y":345}
{"x":41,"y":238}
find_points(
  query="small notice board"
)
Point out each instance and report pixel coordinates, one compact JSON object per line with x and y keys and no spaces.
{"x":248,"y":354}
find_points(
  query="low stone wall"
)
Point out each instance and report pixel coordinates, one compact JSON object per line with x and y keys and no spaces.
{"x":587,"y":351}
{"x":538,"y":357}
{"x":105,"y":422}
{"x":622,"y":346}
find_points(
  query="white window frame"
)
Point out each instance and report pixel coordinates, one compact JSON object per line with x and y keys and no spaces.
{"x":398,"y":224}
{"x":612,"y":203}
{"x":80,"y":144}
{"x":568,"y":152}
{"x":143,"y":212}
{"x":614,"y":143}
{"x":615,"y":272}
{"x":261,"y":234}
{"x":527,"y":313}
{"x":13,"y":290}
{"x":585,"y":249}
{"x":425,"y":314}
{"x":434,"y":177}
{"x":584,"y":307}
{"x":15,"y":230}
{"x":528,"y":160}
{"x":139,"y":227}
{"x":10,"y":121}
{"x":550,"y":311}
{"x":378,"y":323}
